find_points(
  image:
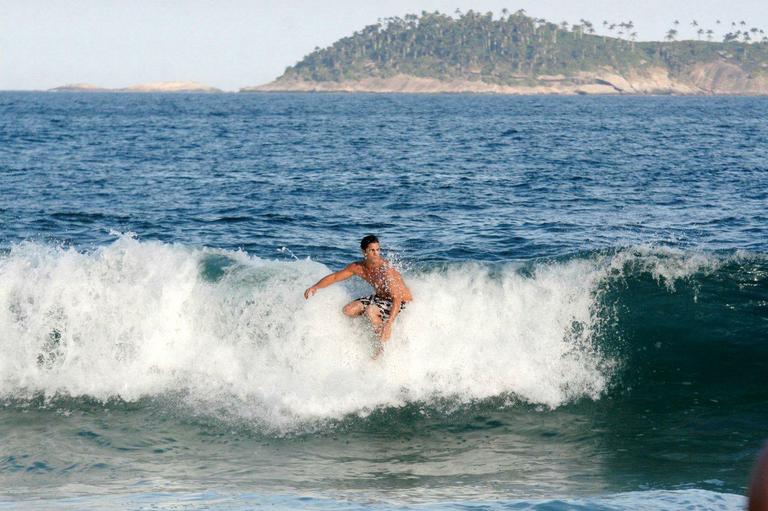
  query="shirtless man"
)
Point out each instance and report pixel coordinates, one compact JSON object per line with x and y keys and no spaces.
{"x":391,"y":292}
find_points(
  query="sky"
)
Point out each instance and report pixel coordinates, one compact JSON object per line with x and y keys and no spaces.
{"x":231,"y":44}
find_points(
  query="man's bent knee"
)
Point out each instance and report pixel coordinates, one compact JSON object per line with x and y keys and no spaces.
{"x":353,"y":309}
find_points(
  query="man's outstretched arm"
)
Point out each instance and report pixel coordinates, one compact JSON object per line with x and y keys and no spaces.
{"x":330,"y":279}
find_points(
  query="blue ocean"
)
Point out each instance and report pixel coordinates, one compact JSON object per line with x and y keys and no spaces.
{"x":589,"y":328}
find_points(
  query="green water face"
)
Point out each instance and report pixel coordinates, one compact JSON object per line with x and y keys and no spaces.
{"x":485,"y":450}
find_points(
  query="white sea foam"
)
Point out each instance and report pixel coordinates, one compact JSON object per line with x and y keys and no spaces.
{"x":233,"y":333}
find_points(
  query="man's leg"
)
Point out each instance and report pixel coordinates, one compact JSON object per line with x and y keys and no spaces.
{"x":374,"y":315}
{"x":354,"y":308}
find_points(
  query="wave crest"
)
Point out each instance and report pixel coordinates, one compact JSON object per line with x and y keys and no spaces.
{"x":233,"y":333}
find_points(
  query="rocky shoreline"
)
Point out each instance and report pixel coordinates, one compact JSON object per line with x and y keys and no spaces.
{"x":706,"y":79}
{"x":714,"y":78}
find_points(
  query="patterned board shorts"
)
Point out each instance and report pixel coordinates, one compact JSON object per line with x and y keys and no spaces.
{"x":384,"y":305}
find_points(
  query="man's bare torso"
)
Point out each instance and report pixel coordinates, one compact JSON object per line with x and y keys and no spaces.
{"x":382,"y":278}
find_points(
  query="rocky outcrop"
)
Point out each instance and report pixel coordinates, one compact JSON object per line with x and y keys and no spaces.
{"x":653,"y":80}
{"x":727,"y":78}
{"x":717,"y":77}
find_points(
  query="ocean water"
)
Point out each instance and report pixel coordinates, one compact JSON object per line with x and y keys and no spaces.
{"x":589,"y":329}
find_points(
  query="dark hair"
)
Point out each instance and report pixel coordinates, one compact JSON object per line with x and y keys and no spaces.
{"x":368,"y":240}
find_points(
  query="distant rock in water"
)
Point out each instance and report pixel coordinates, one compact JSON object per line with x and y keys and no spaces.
{"x":143,"y":87}
{"x":170,"y":87}
{"x":80,"y":87}
{"x":517,"y":54}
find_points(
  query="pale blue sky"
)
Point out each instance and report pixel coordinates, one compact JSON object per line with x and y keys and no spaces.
{"x":236,"y":43}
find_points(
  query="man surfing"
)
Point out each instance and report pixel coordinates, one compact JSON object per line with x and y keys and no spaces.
{"x":391,"y":293}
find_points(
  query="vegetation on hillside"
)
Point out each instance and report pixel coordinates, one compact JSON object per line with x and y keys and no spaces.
{"x":516,"y":48}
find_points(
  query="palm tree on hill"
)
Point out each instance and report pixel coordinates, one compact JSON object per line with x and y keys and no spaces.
{"x":671,"y":34}
{"x":612,"y":27}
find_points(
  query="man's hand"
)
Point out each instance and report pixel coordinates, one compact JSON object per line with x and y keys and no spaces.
{"x":309,"y":292}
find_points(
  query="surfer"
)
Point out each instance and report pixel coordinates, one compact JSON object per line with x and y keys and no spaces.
{"x":390,"y":296}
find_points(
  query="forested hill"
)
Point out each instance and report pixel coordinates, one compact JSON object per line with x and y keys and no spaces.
{"x":519,"y":52}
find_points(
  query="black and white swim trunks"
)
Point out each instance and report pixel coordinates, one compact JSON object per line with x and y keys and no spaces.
{"x":384,"y":305}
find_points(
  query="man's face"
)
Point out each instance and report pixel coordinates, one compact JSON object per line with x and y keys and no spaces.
{"x":372,"y":252}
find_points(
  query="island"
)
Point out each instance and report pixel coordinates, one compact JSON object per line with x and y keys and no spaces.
{"x":519,"y":54}
{"x":143,"y":87}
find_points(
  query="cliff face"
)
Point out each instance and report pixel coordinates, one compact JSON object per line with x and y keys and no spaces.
{"x":701,"y":79}
{"x":727,"y":78}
